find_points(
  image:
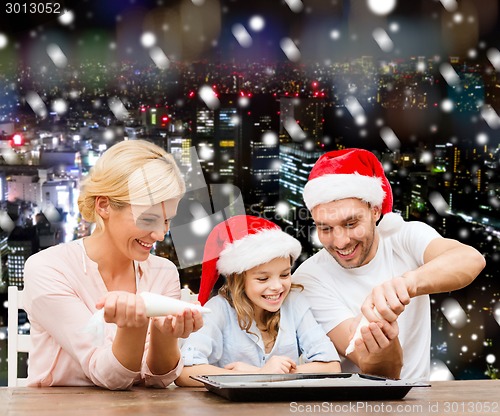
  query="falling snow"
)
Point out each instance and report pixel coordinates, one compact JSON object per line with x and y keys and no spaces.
{"x":60,"y":106}
{"x":118,"y":108}
{"x":454,"y":313}
{"x":209,"y":97}
{"x":159,"y":58}
{"x":390,"y":138}
{"x":36,"y":104}
{"x":290,"y":49}
{"x":449,"y":5}
{"x":439,"y":203}
{"x":3,"y":41}
{"x":294,"y":130}
{"x":449,"y":74}
{"x":57,"y":55}
{"x":257,"y":23}
{"x":490,"y":116}
{"x":383,"y":40}
{"x":148,"y":39}
{"x":66,"y":18}
{"x":242,"y":35}
{"x":295,"y":5}
{"x":357,"y":112}
{"x":493,"y":55}
{"x":270,"y":138}
{"x":381,"y":7}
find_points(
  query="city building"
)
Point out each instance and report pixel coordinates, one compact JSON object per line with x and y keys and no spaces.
{"x":22,"y":243}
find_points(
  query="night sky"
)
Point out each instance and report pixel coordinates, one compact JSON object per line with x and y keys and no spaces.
{"x":322,"y":30}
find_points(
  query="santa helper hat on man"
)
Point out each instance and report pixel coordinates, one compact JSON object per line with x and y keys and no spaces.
{"x":352,"y":173}
{"x":239,"y":244}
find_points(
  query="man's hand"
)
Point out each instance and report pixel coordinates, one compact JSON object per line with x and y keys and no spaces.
{"x":390,"y":299}
{"x":378,"y":351}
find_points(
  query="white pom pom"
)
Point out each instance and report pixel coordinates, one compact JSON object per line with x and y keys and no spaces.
{"x":390,"y":224}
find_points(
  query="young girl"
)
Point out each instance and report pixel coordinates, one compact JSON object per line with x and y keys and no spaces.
{"x":260,"y":322}
{"x":130,"y":194}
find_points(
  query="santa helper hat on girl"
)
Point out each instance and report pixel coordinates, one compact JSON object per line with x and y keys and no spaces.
{"x":352,"y":173}
{"x":240,"y":243}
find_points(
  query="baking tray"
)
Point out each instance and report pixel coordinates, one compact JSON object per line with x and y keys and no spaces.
{"x":303,"y":387}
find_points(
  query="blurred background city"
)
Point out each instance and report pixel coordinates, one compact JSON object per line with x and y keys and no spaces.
{"x":247,"y":96}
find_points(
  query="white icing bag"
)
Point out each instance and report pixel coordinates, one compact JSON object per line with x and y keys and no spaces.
{"x":357,"y":333}
{"x":159,"y":305}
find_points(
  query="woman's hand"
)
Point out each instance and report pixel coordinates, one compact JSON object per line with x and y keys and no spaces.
{"x":125,"y":309}
{"x":180,"y":325}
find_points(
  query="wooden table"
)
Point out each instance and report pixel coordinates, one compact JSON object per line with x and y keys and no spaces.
{"x":475,"y":397}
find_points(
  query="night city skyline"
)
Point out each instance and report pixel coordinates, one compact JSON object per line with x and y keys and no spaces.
{"x":246,"y":101}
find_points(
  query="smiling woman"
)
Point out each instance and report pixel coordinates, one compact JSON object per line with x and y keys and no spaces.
{"x":131,"y":194}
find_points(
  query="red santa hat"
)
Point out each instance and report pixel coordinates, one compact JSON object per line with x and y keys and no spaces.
{"x":352,"y":173}
{"x":348,"y":173}
{"x":240,"y":243}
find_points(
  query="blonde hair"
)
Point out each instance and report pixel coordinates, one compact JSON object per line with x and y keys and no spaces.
{"x":233,"y":291}
{"x":131,"y":172}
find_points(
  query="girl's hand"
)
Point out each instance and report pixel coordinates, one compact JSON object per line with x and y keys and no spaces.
{"x":242,"y":367}
{"x":124,"y":309}
{"x":278,"y":364}
{"x":180,"y":325}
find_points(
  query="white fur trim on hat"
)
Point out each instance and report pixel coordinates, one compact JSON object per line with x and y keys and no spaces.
{"x":333,"y":187}
{"x":256,"y":249}
{"x":390,"y":224}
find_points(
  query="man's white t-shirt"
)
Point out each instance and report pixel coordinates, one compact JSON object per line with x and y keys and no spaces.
{"x":336,"y":294}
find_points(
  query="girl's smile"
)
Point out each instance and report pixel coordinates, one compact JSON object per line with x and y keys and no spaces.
{"x":268,"y":284}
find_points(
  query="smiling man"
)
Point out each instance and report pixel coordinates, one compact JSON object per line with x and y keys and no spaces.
{"x":375,"y":264}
